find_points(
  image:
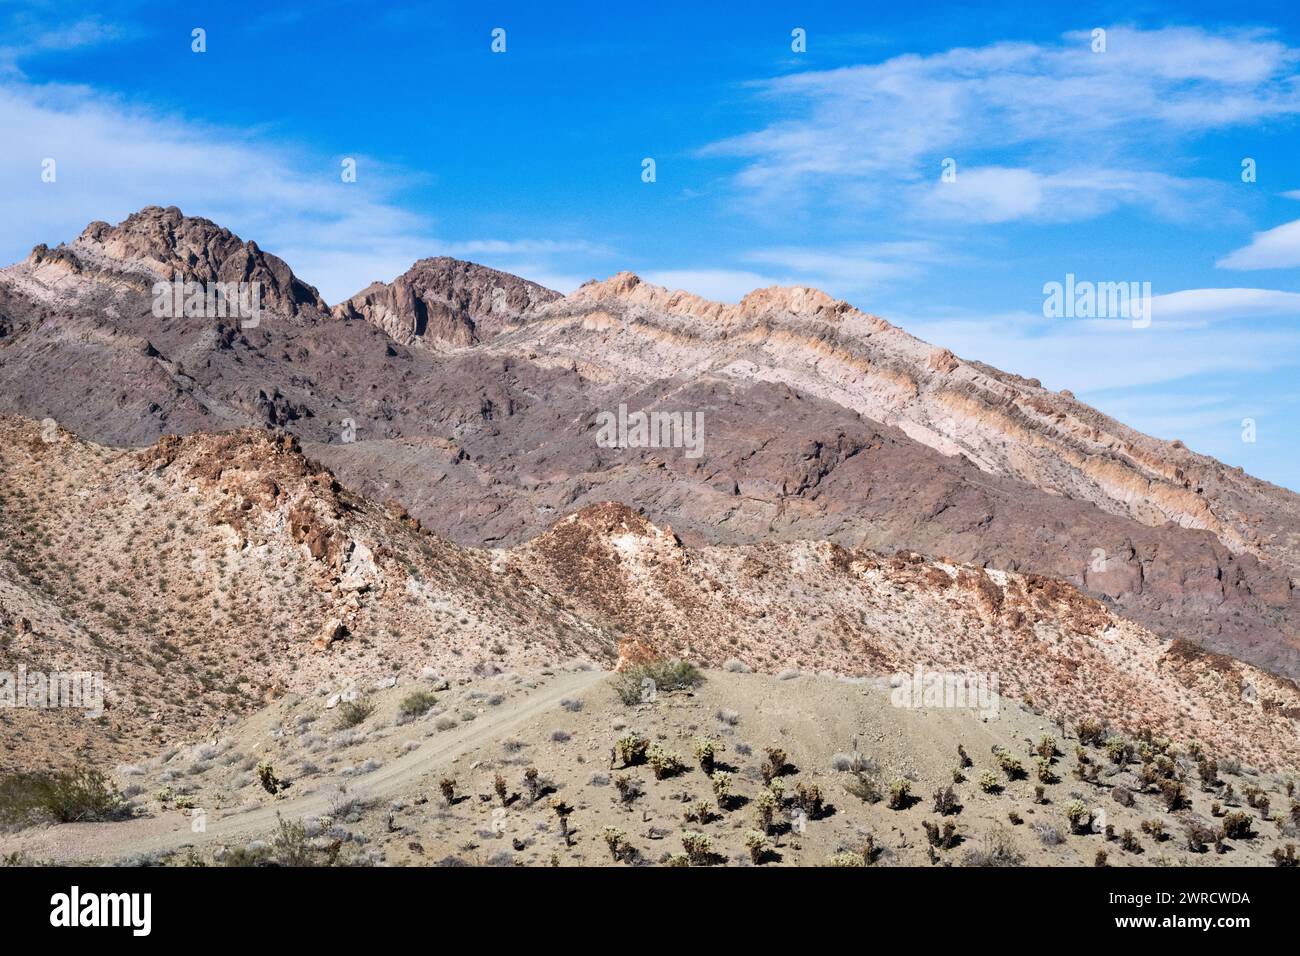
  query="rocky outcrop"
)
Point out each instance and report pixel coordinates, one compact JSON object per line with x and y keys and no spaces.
{"x":444,"y":302}
{"x":157,"y":244}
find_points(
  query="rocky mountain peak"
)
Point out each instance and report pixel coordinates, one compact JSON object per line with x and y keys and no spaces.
{"x":157,"y":244}
{"x":443,"y":301}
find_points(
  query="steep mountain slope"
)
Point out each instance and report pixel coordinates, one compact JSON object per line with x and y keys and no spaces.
{"x":473,"y":398}
{"x":208,"y":574}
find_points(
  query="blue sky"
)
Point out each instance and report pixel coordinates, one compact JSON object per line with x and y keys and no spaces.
{"x":816,"y":168}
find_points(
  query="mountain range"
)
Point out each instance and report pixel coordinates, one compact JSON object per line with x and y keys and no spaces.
{"x":412,"y":477}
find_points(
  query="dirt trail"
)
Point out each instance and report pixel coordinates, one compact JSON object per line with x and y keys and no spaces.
{"x":107,"y":842}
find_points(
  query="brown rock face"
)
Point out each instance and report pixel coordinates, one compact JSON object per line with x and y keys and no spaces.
{"x":474,"y":397}
{"x":162,"y":243}
{"x":445,"y":302}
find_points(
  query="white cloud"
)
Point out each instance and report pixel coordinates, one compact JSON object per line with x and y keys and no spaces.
{"x":1277,"y":248}
{"x":112,"y":159}
{"x":872,"y":135}
{"x":1214,"y":305}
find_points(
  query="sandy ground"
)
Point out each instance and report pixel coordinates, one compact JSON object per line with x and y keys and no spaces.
{"x":566,"y":725}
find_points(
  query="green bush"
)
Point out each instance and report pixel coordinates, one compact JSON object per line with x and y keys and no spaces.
{"x":416,"y":703}
{"x":73,"y":796}
{"x":666,"y":675}
{"x":353,"y":712}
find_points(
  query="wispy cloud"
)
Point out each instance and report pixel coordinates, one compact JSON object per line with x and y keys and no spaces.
{"x":1277,"y":248}
{"x":874,"y":135}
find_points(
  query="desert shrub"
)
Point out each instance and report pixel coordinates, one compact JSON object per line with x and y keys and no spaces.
{"x":1100,"y":858}
{"x":81,"y":795}
{"x":664,"y":674}
{"x":628,"y":789}
{"x":1040,"y":794}
{"x":533,"y":783}
{"x":900,"y":794}
{"x":1197,"y":837}
{"x":1013,"y":816}
{"x":354,"y":712}
{"x":863,"y":785}
{"x":416,"y":703}
{"x":1285,"y":857}
{"x":734,"y":666}
{"x":1048,"y":835}
{"x":1129,"y":843}
{"x":945,"y":802}
{"x":758,"y":845}
{"x":997,"y":848}
{"x":1236,"y":825}
{"x":1155,"y":829}
{"x":1090,"y":731}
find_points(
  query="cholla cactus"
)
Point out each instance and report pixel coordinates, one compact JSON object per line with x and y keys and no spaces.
{"x":533,"y":784}
{"x":899,"y":793}
{"x":699,"y":812}
{"x":1090,"y":731}
{"x":844,"y":859}
{"x":1046,"y":748}
{"x":774,"y":764}
{"x":706,"y":751}
{"x":758,"y":845}
{"x":616,"y":840}
{"x":632,"y":749}
{"x":698,"y":847}
{"x":809,"y":799}
{"x":1080,"y":817}
{"x":1119,"y":750}
{"x":626,"y":787}
{"x":721,"y":781}
{"x":1043,"y":770}
{"x":677,"y":859}
{"x":448,"y":787}
{"x":766,"y":806}
{"x":663,"y":762}
{"x":1010,"y":765}
{"x":266,"y":775}
{"x":502,"y":790}
{"x":989,"y":781}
